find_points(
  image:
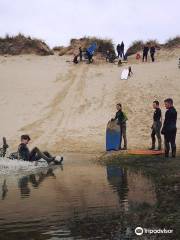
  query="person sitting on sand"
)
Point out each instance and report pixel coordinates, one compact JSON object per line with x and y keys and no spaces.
{"x":35,"y":154}
{"x":122,"y":118}
{"x":156,"y":127}
{"x":169,"y":128}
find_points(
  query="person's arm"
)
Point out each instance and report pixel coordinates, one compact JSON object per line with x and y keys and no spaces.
{"x":116,"y":117}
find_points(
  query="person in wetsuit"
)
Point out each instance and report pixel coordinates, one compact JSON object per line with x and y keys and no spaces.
{"x":35,"y":154}
{"x":122,"y":50}
{"x":169,"y":128}
{"x":122,"y":118}
{"x":145,"y":53}
{"x":152,"y":52}
{"x":118,"y":48}
{"x":156,"y":126}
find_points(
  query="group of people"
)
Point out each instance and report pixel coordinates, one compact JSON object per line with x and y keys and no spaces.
{"x":120,"y":50}
{"x":146,"y":51}
{"x":168,"y":129}
{"x":79,"y":57}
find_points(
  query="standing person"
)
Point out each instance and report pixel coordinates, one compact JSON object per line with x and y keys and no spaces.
{"x":122,"y":118}
{"x":169,"y":127}
{"x":119,"y":50}
{"x":80,"y":53}
{"x":122,"y":50}
{"x":152,"y":52}
{"x":156,"y":127}
{"x":75,"y":59}
{"x":145,"y":53}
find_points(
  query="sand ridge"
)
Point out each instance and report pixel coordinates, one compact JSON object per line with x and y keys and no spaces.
{"x":66,"y":108}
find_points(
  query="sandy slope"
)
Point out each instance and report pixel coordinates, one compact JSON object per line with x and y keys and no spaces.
{"x":66,"y":107}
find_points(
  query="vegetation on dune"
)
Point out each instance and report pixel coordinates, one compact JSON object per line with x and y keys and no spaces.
{"x":135,"y":47}
{"x":103,"y":45}
{"x":20,"y":44}
{"x":172,"y":42}
{"x":138,"y":45}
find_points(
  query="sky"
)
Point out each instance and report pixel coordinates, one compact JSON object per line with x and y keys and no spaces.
{"x":57,"y":21}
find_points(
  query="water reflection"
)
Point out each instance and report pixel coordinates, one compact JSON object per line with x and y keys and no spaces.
{"x":117,"y":178}
{"x":84,"y":201}
{"x":4,"y":190}
{"x":34,"y":181}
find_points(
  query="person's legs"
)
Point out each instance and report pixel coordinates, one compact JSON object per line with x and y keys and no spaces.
{"x":173,"y":143}
{"x":36,"y":154}
{"x":153,"y":139}
{"x":167,"y":145}
{"x":158,"y":135}
{"x":152,"y":57}
{"x":146,"y":57}
{"x":123,"y":132}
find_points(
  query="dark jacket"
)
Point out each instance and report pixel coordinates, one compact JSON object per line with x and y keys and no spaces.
{"x":152,"y":50}
{"x":23,"y":152}
{"x":145,"y":50}
{"x":170,"y":120}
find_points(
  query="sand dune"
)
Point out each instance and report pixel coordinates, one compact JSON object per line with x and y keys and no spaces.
{"x":66,"y":107}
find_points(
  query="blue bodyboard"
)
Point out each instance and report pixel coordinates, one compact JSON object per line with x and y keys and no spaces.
{"x":113,"y":136}
{"x":92,"y":48}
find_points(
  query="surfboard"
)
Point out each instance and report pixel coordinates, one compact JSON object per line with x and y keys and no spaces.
{"x":113,"y":136}
{"x":124,"y":74}
{"x":145,"y":152}
{"x":92,"y":48}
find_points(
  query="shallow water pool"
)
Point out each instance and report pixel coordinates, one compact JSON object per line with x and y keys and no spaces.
{"x":79,"y":200}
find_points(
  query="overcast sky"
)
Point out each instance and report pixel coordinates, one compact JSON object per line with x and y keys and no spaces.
{"x":57,"y":21}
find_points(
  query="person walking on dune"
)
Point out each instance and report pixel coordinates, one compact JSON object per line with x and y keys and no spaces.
{"x":122,"y":50}
{"x":152,"y":52}
{"x":122,"y":118}
{"x":118,"y":48}
{"x":156,"y":127}
{"x":145,"y":53}
{"x":169,"y":127}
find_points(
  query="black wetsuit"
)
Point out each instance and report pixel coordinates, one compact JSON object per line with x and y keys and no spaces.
{"x":122,"y":50}
{"x":145,"y":53}
{"x":156,"y":128}
{"x":169,"y":130}
{"x":152,"y":52}
{"x":34,"y":155}
{"x":120,"y":116}
{"x":119,"y":50}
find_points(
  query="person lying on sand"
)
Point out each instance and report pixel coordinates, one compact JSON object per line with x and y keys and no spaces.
{"x":35,"y":154}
